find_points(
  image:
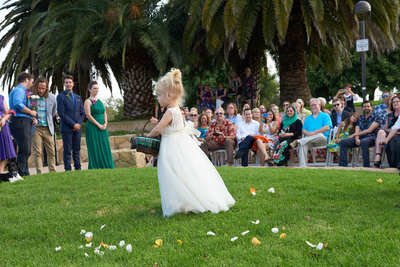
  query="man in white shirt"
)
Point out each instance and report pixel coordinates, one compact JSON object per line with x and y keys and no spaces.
{"x":245,"y":133}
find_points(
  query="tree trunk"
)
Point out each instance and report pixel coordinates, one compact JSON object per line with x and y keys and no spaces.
{"x":292,"y":60}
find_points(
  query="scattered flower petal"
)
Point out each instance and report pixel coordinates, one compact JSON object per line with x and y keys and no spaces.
{"x":88,"y":236}
{"x":80,"y":247}
{"x":233,"y":239}
{"x":210,"y":233}
{"x":86,"y":255}
{"x":271,"y":190}
{"x":128,"y":248}
{"x":83,"y":231}
{"x":275,"y":230}
{"x":255,"y":222}
{"x":102,"y":227}
{"x":180,"y":242}
{"x":104,"y":245}
{"x":121,"y":243}
{"x":58,"y":248}
{"x":158,"y":243}
{"x":89,"y":245}
{"x":252,"y":191}
{"x":379,"y":180}
{"x":310,"y":244}
{"x":282,"y":236}
{"x":245,"y":232}
{"x":320,"y":246}
{"x":98,"y":252}
{"x":283,"y":228}
{"x":112,"y":247}
{"x":255,"y":241}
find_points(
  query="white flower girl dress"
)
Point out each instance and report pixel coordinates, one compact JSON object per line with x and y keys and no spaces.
{"x":188,"y":180}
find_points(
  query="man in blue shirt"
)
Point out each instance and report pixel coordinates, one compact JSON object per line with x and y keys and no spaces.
{"x":21,"y":124}
{"x":316,"y":129}
{"x":365,"y":135}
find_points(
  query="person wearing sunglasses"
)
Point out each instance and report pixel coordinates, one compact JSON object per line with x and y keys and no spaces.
{"x":338,"y":113}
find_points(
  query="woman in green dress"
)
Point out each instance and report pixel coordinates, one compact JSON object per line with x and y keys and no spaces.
{"x":98,"y":145}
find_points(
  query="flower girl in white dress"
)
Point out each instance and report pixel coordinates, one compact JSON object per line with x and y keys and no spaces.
{"x":188,"y":180}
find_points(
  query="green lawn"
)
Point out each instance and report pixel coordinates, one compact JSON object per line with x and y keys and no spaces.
{"x":347,"y":210}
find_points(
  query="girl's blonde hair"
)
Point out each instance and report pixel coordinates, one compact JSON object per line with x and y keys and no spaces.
{"x":171,"y":83}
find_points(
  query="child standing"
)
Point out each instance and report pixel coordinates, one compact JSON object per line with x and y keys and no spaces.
{"x":188,"y":181}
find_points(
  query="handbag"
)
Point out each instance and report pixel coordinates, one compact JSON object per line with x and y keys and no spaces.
{"x":147,"y":145}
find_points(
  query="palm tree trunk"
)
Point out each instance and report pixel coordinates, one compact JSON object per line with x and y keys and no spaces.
{"x":136,"y":84}
{"x":292,"y":60}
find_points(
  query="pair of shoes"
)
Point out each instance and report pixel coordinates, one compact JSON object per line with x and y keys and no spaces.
{"x":377,"y":163}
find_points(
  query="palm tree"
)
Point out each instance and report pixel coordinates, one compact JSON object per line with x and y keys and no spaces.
{"x":88,"y":38}
{"x":297,"y":32}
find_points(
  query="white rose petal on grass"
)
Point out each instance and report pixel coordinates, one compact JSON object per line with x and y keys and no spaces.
{"x":98,"y":252}
{"x":233,"y":239}
{"x":271,"y":190}
{"x":129,"y":248}
{"x":80,"y":247}
{"x":320,"y":246}
{"x":89,"y":245}
{"x":211,"y":233}
{"x":245,"y":232}
{"x":58,"y":248}
{"x":310,"y":244}
{"x":255,"y":222}
{"x":102,"y":227}
{"x":121,"y":243}
{"x":86,"y":255}
{"x":83,"y":231}
{"x":88,"y":236}
{"x":275,"y":230}
{"x":112,"y":247}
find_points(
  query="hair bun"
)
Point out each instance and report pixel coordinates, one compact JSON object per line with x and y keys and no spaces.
{"x":176,"y":75}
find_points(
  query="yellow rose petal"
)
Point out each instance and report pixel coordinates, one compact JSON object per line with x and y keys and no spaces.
{"x":255,"y":241}
{"x":379,"y":180}
{"x":180,"y":242}
{"x":283,"y":236}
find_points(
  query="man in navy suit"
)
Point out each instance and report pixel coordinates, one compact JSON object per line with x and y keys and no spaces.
{"x":71,"y":112}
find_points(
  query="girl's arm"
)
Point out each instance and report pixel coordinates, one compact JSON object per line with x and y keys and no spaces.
{"x":87,"y":106}
{"x":164,"y":122}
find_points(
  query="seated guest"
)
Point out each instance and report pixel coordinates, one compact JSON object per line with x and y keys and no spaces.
{"x":302,"y":112}
{"x":207,"y":98}
{"x":221,"y":135}
{"x":246,"y":131}
{"x":44,"y":133}
{"x":240,"y":117}
{"x":291,"y":131}
{"x":347,"y":129}
{"x":285,"y":105}
{"x":315,"y":129}
{"x":193,"y":117}
{"x":381,"y":139}
{"x":209,"y":113}
{"x":204,"y":123}
{"x":322,"y":101}
{"x":338,"y":113}
{"x":220,"y":95}
{"x":264,"y":141}
{"x":365,"y":135}
{"x":381,"y":110}
{"x":231,"y":113}
{"x":277,"y":115}
{"x":393,"y":145}
{"x":263,"y":111}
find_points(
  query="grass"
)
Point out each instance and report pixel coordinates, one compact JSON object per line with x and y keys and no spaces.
{"x":348,"y":210}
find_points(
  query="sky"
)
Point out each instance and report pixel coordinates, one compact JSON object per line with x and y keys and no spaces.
{"x":104,"y":92}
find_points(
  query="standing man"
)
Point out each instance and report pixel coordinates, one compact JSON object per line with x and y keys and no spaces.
{"x":71,"y":112}
{"x":44,"y":134}
{"x":21,"y":124}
